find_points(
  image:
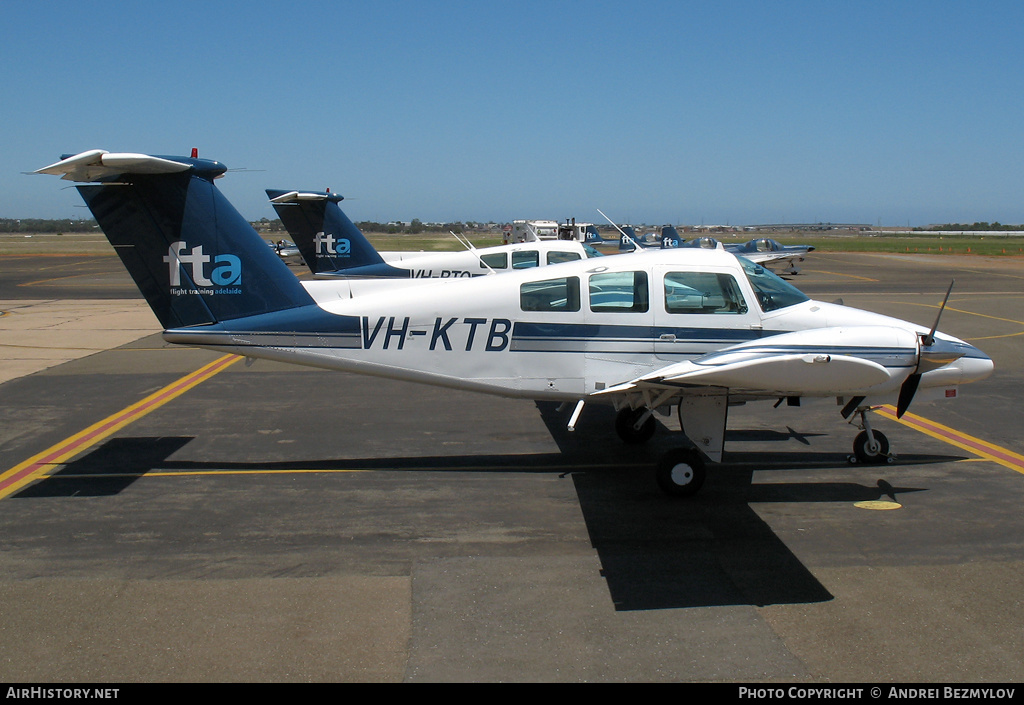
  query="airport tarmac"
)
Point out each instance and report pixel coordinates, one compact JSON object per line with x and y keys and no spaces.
{"x":276,"y":523}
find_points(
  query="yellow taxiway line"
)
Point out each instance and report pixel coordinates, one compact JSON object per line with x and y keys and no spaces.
{"x":988,"y":451}
{"x":38,"y":465}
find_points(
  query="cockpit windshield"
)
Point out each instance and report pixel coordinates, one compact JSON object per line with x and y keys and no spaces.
{"x":772,"y":291}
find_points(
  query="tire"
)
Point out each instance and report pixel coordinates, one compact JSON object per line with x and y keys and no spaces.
{"x":624,"y":421}
{"x":863,"y":452}
{"x":681,"y":472}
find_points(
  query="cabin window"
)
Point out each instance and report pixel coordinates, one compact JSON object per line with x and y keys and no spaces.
{"x":556,"y":257}
{"x":524,"y":259}
{"x":494,"y":260}
{"x":619,"y":291}
{"x":551,"y":295}
{"x":702,"y":292}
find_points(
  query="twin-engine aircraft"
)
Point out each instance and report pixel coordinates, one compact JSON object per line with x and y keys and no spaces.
{"x":333,"y":246}
{"x":698,"y":330}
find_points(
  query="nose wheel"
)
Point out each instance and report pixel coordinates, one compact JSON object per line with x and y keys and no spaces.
{"x":870,"y":447}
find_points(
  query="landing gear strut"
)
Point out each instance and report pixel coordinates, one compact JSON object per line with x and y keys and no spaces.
{"x":635,"y":425}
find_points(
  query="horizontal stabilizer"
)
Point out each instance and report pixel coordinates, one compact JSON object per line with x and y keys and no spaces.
{"x":97,"y":165}
{"x":296,"y":196}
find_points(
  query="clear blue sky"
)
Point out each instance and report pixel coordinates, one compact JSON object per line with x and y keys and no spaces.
{"x":742,"y":112}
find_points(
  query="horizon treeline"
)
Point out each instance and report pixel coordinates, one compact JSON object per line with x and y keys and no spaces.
{"x":414,"y":227}
{"x":991,"y":227}
{"x":85,"y":225}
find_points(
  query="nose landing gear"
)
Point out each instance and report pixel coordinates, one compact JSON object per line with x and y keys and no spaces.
{"x":870,"y":447}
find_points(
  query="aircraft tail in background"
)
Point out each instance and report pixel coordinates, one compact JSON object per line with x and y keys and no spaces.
{"x":327,"y":239}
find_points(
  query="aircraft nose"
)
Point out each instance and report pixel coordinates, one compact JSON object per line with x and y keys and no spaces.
{"x":950,"y":361}
{"x":975,"y":365}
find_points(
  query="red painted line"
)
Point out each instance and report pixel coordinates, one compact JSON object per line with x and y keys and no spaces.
{"x":25,"y":472}
{"x":1001,"y":455}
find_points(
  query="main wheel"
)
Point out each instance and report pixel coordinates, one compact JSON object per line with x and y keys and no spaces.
{"x":867,"y":454}
{"x":625,"y":422}
{"x":681,"y":472}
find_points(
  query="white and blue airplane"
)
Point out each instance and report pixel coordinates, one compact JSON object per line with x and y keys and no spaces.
{"x":694,"y":330}
{"x":763,"y":251}
{"x":773,"y":253}
{"x":285,"y":249}
{"x":333,"y":246}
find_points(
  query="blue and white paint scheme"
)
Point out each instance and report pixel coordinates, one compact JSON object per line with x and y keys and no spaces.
{"x":773,"y":253}
{"x":693,"y":329}
{"x":333,"y":246}
{"x":763,"y":251}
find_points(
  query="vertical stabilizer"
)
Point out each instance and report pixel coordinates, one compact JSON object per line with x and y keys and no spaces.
{"x":670,"y":237}
{"x":191,"y":253}
{"x":326,"y":238}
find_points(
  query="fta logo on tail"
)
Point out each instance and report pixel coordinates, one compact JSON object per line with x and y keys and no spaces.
{"x":226,"y":269}
{"x":327,"y":244}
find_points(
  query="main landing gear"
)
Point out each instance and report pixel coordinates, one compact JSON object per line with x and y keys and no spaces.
{"x":681,"y":472}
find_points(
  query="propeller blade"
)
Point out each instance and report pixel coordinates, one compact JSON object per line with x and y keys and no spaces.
{"x":911,"y":383}
{"x":930,"y":338}
{"x":907,"y":392}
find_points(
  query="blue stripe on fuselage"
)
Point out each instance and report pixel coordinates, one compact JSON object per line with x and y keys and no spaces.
{"x":576,"y":337}
{"x":303,"y":325}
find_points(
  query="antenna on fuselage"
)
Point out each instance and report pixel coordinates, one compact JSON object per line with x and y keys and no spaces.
{"x":464,"y":241}
{"x":636,"y":247}
{"x":469,"y":246}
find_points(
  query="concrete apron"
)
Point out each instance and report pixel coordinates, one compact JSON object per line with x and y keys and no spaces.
{"x":39,"y":334}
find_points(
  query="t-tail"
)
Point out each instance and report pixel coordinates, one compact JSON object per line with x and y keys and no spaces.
{"x":193,"y":256}
{"x":328,"y":241}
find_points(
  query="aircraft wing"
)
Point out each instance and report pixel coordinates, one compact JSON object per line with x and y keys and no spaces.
{"x":816,"y":362}
{"x":792,"y":374}
{"x":765,"y":257}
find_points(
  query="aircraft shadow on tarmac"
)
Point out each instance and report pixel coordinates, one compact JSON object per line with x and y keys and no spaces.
{"x":656,"y":552}
{"x":108,"y":469}
{"x":710,"y":550}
